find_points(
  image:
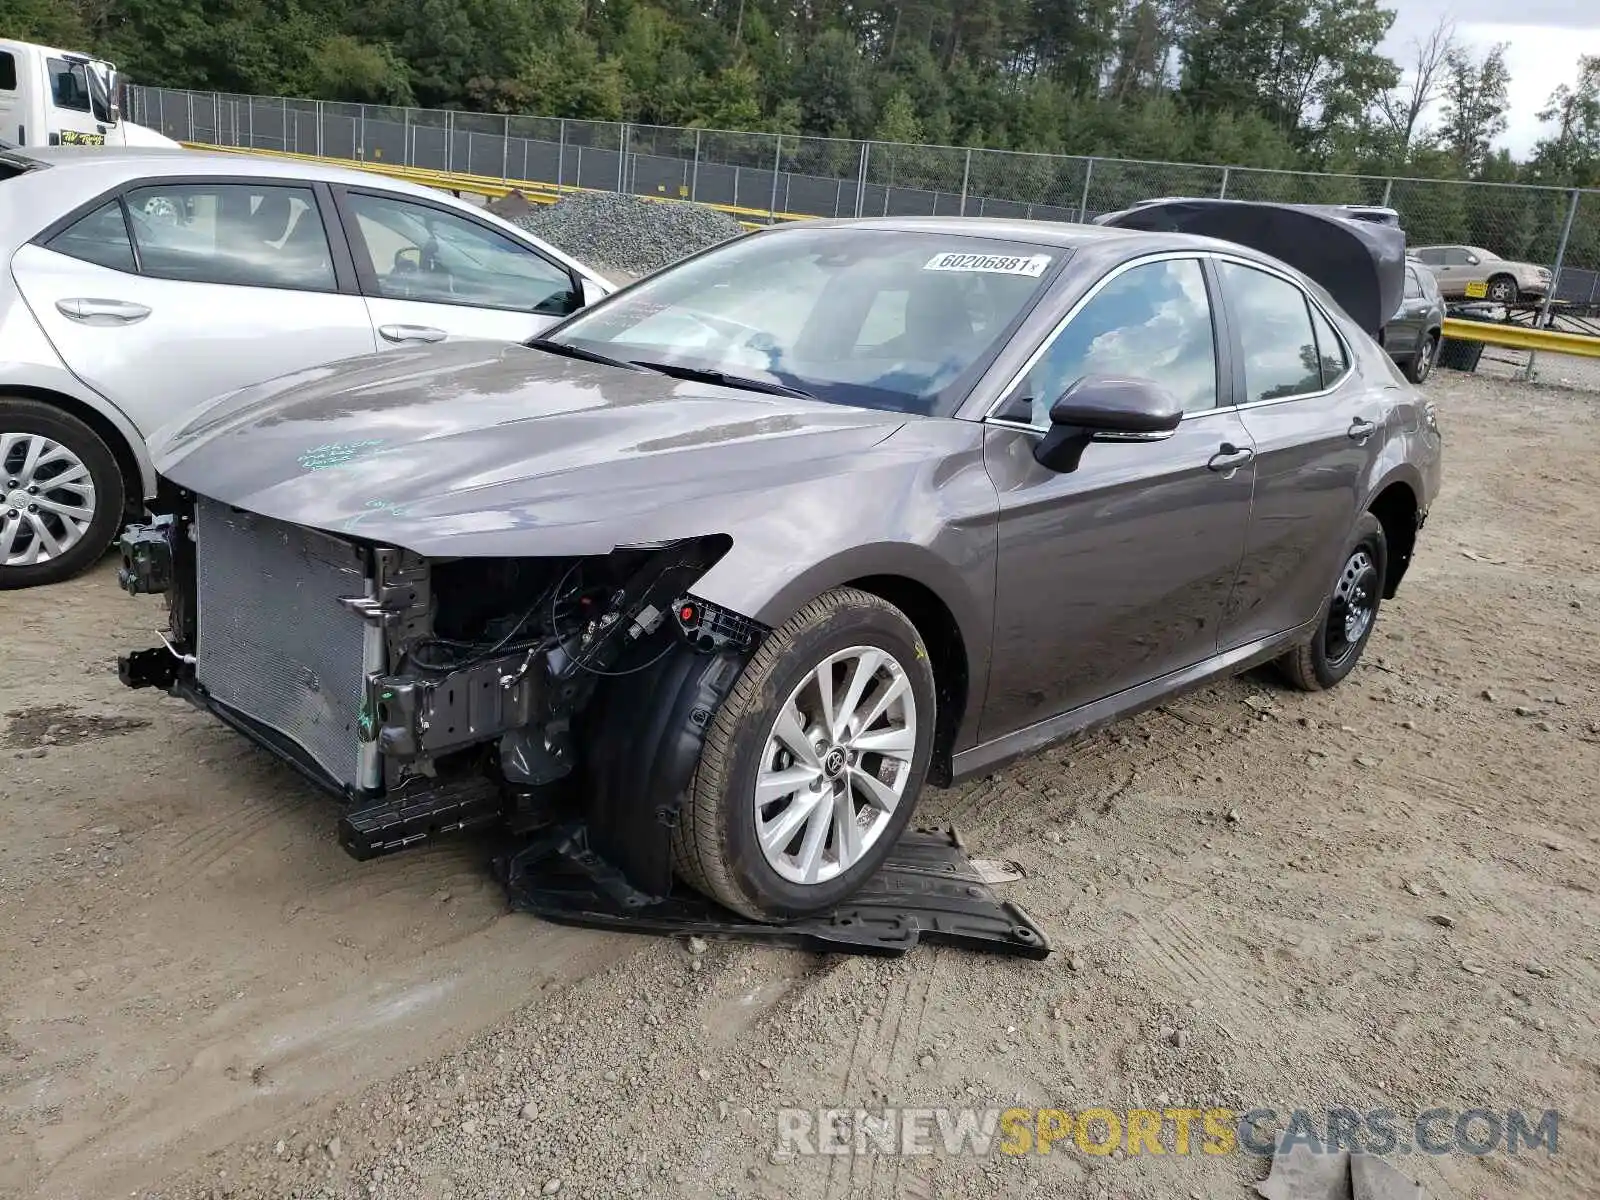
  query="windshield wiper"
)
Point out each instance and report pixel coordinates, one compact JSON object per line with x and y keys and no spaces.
{"x":567,"y":350}
{"x":722,"y":378}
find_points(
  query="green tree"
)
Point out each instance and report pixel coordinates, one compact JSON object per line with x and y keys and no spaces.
{"x":1571,"y":154}
{"x":343,"y":68}
{"x":1475,"y":105}
{"x":898,"y":121}
{"x":47,"y":21}
{"x":831,"y":82}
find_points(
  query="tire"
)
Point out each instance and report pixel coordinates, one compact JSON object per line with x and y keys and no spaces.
{"x":715,"y":844}
{"x":73,"y":471}
{"x":1502,"y":289}
{"x":1334,"y":650}
{"x":1420,"y":365}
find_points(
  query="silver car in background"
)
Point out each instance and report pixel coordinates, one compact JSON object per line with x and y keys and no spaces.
{"x":144,"y":282}
{"x":1458,"y":268}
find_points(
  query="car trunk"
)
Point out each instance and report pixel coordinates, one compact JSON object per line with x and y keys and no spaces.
{"x":1360,"y":263}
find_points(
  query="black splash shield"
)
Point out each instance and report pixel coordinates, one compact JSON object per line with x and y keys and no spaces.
{"x":927,"y":890}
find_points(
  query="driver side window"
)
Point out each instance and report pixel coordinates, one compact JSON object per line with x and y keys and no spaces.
{"x":423,"y":253}
{"x":1153,"y":321}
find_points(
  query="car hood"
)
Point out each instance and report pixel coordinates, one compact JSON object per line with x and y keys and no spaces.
{"x":478,"y":448}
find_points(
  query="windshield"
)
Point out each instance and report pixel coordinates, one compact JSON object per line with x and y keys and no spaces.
{"x":869,"y":317}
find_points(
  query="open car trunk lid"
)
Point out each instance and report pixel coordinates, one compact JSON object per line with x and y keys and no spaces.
{"x":1361,"y":263}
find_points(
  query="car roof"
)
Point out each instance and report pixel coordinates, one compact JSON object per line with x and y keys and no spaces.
{"x":1064,"y":234}
{"x":1111,"y":241}
{"x":138,"y":161}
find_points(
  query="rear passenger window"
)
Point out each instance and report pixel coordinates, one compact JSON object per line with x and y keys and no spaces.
{"x":1331,"y":353}
{"x":100,"y":238}
{"x":8,"y":71}
{"x":240,"y":234}
{"x":1274,"y":323}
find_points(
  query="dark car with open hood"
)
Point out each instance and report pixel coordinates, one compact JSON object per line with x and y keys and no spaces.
{"x":737,"y":560}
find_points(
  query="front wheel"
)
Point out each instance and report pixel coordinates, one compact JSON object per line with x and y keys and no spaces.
{"x":1348,"y":614}
{"x":1503,"y":289}
{"x":61,"y":494}
{"x":813,"y":764}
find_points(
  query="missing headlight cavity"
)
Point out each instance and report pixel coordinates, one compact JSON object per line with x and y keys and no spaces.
{"x":514,"y":649}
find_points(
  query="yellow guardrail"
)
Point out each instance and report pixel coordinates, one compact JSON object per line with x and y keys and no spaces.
{"x":535,"y":190}
{"x":1520,"y":337}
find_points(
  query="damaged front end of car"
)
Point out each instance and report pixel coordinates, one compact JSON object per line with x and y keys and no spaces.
{"x":433,"y":695}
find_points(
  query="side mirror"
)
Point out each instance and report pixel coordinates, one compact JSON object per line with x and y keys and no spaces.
{"x":1105,"y":408}
{"x":1473,"y":260}
{"x":592,"y":292}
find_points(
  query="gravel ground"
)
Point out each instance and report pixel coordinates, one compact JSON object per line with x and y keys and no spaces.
{"x":628,"y":235}
{"x":1383,"y":895}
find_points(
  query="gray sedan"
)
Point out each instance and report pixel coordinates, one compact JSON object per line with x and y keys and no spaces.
{"x":1413,"y":335}
{"x":140,"y":283}
{"x":741,"y":556}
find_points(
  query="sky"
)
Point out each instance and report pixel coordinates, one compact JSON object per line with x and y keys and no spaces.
{"x":1545,"y":39}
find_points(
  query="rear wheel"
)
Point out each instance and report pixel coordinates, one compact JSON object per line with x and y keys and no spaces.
{"x":813,"y":764}
{"x":61,"y":494}
{"x":1421,"y":364}
{"x":1503,"y":289}
{"x":1348,"y":615}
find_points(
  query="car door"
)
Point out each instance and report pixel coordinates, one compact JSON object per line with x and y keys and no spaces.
{"x":1117,"y":572}
{"x":1460,"y":269}
{"x":1432,"y":259}
{"x":172,"y":292}
{"x":430,"y":273}
{"x":1316,"y":426}
{"x":74,"y":114}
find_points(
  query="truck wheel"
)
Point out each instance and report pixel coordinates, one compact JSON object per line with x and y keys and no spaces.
{"x":813,"y":764}
{"x":61,"y":494}
{"x":1348,"y":615}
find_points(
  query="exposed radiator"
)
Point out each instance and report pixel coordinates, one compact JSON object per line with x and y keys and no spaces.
{"x":275,"y":642}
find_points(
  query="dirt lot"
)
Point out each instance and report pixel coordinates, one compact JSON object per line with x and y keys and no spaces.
{"x":1385,"y":896}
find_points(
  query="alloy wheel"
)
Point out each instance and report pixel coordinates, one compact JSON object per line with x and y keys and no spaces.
{"x":1502,"y":291}
{"x":47,"y":499}
{"x":1355,"y":604}
{"x":835,"y":765}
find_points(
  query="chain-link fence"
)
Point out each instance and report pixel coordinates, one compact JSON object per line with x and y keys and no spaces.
{"x":772,"y":177}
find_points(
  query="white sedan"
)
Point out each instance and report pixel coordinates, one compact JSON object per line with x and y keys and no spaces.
{"x":142,"y":282}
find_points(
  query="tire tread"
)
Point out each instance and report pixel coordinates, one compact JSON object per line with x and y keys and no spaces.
{"x":699,"y":853}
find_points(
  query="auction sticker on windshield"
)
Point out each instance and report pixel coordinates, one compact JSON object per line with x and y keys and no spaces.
{"x":1032,"y":265}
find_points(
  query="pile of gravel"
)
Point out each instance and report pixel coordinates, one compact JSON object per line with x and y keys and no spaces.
{"x":627,"y":235}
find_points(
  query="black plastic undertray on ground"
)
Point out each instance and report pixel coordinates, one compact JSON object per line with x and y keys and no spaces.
{"x":927,"y":890}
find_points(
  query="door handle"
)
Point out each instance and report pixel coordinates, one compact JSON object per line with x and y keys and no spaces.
{"x":411,"y":333}
{"x":91,"y":311}
{"x":1229,"y":458}
{"x":1361,"y":429}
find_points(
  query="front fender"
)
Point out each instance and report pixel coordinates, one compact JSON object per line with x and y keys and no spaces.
{"x":933,"y":520}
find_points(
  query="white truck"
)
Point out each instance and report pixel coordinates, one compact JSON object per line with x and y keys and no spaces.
{"x":52,"y":97}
